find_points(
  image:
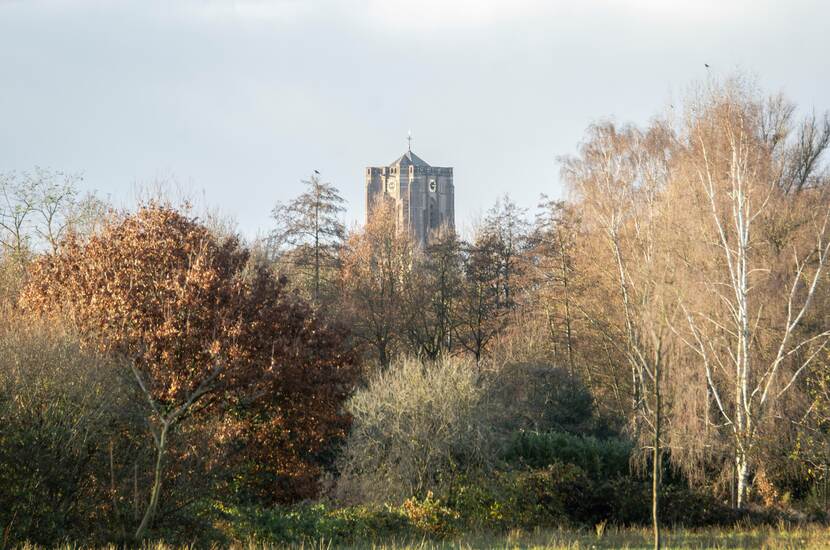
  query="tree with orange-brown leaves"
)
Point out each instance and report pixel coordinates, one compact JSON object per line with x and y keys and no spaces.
{"x":201,"y":328}
{"x":378,"y":266}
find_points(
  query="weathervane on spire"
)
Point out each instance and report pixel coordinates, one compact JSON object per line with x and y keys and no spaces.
{"x":409,"y":141}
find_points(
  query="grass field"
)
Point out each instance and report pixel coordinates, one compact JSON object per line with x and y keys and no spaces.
{"x":809,"y":537}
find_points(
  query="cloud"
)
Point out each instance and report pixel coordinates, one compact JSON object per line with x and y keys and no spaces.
{"x":425,"y":17}
{"x":431,"y":14}
{"x":218,"y":10}
{"x":690,"y":12}
{"x":440,"y":15}
{"x":259,"y":10}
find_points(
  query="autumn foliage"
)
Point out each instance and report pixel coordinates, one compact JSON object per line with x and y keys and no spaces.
{"x":654,"y":349}
{"x":207,"y":334}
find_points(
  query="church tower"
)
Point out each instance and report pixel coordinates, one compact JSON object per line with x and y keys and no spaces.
{"x":424,"y":195}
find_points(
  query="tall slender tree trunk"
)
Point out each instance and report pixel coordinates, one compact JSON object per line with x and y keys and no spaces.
{"x":656,"y":472}
{"x":568,"y":333}
{"x":742,"y":474}
{"x":150,"y":512}
{"x":136,"y":511}
{"x":635,"y":402}
{"x":383,"y":356}
{"x":316,"y":269}
{"x":317,"y":250}
{"x":744,"y":364}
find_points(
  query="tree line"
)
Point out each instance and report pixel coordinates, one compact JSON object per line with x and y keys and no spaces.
{"x":674,"y":306}
{"x":685,"y":281}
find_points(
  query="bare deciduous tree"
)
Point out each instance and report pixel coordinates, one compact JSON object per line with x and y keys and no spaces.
{"x":431,"y":297}
{"x":621,"y":178}
{"x":378,"y":264}
{"x":553,"y":243}
{"x":39,"y":208}
{"x":749,"y":337}
{"x":507,"y":229}
{"x":479,"y":312}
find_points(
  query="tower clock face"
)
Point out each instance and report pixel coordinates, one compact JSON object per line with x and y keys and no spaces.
{"x":390,"y":185}
{"x":432,"y":186}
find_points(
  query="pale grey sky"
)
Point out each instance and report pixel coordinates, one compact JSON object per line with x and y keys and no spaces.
{"x":239,"y":100}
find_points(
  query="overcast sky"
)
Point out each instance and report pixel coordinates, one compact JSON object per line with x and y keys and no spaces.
{"x":237,"y":101}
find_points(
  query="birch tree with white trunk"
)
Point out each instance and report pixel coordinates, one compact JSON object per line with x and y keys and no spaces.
{"x":748,"y":334}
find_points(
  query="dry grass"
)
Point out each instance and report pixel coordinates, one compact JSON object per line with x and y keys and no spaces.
{"x":808,"y":538}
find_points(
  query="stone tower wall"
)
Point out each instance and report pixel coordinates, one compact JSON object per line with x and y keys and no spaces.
{"x":419,"y":208}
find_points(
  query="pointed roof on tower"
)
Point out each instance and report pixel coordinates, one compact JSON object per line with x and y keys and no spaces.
{"x":409,"y":158}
